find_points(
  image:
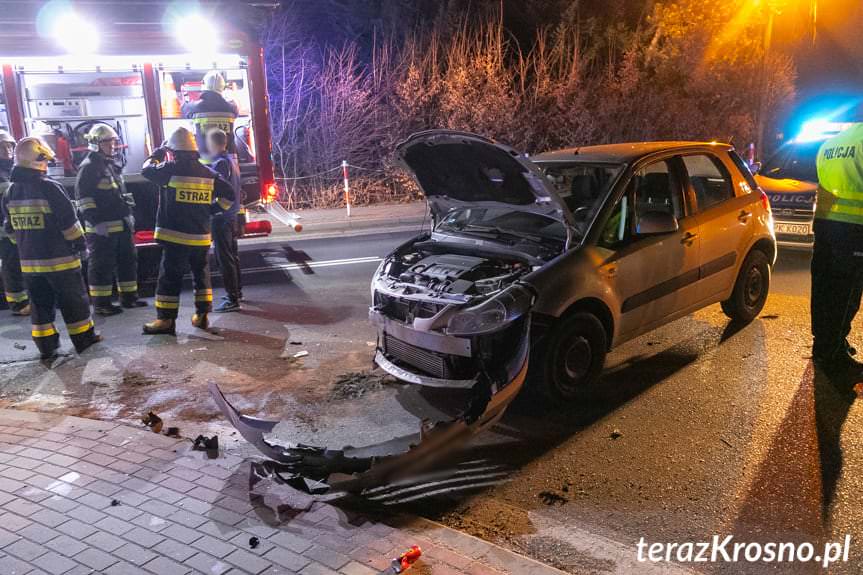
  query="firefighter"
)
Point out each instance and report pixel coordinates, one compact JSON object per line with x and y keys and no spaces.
{"x":190,"y":193}
{"x":108,"y":225}
{"x":211,"y":111}
{"x":225,"y":224}
{"x":837,"y":259}
{"x":15,"y":292}
{"x":50,"y":240}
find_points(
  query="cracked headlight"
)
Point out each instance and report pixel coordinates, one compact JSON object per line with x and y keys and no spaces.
{"x":493,"y":314}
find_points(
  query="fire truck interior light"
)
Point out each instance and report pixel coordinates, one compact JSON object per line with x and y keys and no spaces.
{"x":75,"y":34}
{"x":196,"y":33}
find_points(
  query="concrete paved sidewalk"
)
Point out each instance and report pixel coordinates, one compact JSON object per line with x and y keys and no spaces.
{"x":81,"y":496}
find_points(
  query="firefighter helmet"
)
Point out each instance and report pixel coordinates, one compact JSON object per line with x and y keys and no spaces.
{"x":100,"y":133}
{"x":182,"y":140}
{"x":6,"y":138}
{"x":33,"y":153}
{"x":214,"y":81}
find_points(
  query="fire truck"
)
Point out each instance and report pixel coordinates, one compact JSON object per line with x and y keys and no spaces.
{"x":67,"y":66}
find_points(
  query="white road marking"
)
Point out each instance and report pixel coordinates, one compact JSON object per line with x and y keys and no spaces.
{"x":313,"y":264}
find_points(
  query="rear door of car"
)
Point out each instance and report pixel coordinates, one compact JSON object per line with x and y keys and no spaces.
{"x":725,"y":210}
{"x":653,"y":277}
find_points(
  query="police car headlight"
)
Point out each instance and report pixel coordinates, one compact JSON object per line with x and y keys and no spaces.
{"x":494,"y":314}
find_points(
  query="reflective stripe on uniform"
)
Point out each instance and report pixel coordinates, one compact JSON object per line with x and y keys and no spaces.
{"x":86,"y":204}
{"x":107,"y":184}
{"x":50,"y":265}
{"x":183,"y":238}
{"x":204,"y":118}
{"x":43,"y":330}
{"x":101,"y":291}
{"x":225,"y":204}
{"x":79,"y":327}
{"x":126,"y":287}
{"x":73,"y":232}
{"x":112,"y":226}
{"x":191,"y":183}
{"x":16,"y":297}
{"x":29,"y":207}
{"x":203,"y":295}
{"x":167,"y":301}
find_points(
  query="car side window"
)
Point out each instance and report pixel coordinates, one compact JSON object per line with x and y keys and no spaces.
{"x":710,"y":180}
{"x":657,"y":189}
{"x":616,"y":230}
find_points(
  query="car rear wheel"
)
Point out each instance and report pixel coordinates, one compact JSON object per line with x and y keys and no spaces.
{"x":750,"y":289}
{"x":572,"y":358}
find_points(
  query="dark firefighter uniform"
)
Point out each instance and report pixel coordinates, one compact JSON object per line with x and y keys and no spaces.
{"x":14,"y":289}
{"x":190,"y":193}
{"x":837,"y":259}
{"x":226,"y":231}
{"x":49,"y":238}
{"x":209,"y":112}
{"x":106,"y":212}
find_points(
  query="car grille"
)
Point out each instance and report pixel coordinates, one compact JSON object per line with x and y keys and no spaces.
{"x":427,"y":361}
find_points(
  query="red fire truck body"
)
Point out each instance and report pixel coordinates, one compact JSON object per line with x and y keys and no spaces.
{"x":137,"y":80}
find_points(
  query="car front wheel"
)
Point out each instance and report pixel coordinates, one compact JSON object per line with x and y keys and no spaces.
{"x":572,"y":358}
{"x":750,"y":289}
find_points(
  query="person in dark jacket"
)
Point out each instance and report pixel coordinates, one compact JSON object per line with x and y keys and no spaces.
{"x":212,"y":111}
{"x":50,"y":240}
{"x":108,"y":225}
{"x":225,"y":224}
{"x":190,"y":193}
{"x":11,"y":281}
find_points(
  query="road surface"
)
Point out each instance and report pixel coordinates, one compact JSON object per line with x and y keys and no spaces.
{"x":696,"y":429}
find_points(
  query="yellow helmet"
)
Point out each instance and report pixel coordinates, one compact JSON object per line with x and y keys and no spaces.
{"x":182,"y":140}
{"x":214,"y":81}
{"x":100,"y":133}
{"x":33,"y":153}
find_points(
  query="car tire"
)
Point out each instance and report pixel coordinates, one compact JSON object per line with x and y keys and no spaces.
{"x":750,"y":289}
{"x":571,"y":358}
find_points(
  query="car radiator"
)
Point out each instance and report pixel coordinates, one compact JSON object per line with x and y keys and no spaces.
{"x":429,"y":362}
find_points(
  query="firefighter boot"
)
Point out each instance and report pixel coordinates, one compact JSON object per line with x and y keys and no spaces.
{"x":82,"y":346}
{"x":107,"y":309}
{"x":132,"y":302}
{"x":160,"y":326}
{"x":25,"y":310}
{"x":201,"y":321}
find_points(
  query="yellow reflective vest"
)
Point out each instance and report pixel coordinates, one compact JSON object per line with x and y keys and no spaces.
{"x":840,"y":177}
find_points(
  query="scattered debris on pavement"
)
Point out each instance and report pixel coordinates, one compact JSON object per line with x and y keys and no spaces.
{"x":300,"y":354}
{"x":406,"y":560}
{"x":153,"y":421}
{"x":254,"y":542}
{"x":616,"y":433}
{"x":173,"y":432}
{"x":356,"y":384}
{"x":115,"y":503}
{"x":551,"y":498}
{"x":208,"y":444}
{"x":18,"y":345}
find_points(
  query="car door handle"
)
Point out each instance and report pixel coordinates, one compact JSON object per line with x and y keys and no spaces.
{"x":744,"y":216}
{"x":688,"y":237}
{"x":609,"y":271}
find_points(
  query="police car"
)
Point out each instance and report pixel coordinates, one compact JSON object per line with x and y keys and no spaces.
{"x":790,"y":180}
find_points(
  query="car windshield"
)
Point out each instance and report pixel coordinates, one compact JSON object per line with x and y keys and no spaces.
{"x":794,"y":161}
{"x":582,"y":186}
{"x":503,"y":223}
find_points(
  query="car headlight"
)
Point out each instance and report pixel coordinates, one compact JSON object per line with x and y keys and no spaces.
{"x":493,"y":314}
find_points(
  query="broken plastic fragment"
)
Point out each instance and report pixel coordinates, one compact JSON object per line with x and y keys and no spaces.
{"x":208,"y":444}
{"x":153,"y":421}
{"x":406,"y":560}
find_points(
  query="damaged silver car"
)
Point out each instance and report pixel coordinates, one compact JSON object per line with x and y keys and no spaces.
{"x":547,"y":262}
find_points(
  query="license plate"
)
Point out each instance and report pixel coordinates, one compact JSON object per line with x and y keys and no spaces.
{"x":793,"y":229}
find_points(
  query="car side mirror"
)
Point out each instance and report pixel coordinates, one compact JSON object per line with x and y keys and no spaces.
{"x":655,"y":223}
{"x":755,"y":167}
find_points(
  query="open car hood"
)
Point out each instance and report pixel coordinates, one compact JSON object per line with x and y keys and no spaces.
{"x":456,"y":169}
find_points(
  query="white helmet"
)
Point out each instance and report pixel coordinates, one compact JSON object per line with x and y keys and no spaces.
{"x":33,"y":153}
{"x":6,"y":138}
{"x":214,"y":81}
{"x":100,"y":133}
{"x":182,"y":140}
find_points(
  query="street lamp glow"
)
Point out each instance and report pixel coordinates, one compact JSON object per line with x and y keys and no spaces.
{"x":75,"y":34}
